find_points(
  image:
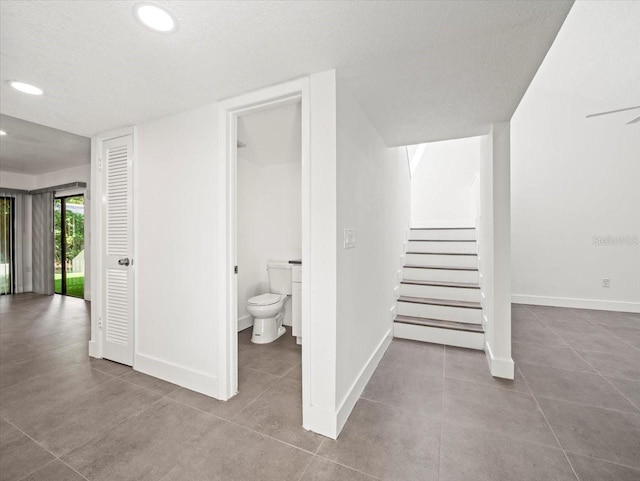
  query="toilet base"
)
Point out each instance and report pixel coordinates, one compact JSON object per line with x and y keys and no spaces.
{"x":267,"y":330}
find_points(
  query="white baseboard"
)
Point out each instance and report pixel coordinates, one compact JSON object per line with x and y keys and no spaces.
{"x":503,"y":368}
{"x":245,"y":322}
{"x":197,"y":381}
{"x":598,"y":304}
{"x":94,"y":350}
{"x":349,"y":401}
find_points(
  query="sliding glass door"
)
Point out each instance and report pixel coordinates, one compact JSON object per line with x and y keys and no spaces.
{"x":7,"y":245}
{"x":68,"y":224}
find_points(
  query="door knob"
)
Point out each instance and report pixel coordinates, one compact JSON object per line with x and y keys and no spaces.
{"x":123,"y":262}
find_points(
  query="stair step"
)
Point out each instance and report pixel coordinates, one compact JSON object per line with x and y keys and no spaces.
{"x":443,"y":228}
{"x":438,"y":335}
{"x":462,"y":246}
{"x":441,"y":273}
{"x":457,"y":326}
{"x":448,"y":234}
{"x":441,"y":302}
{"x":461,"y":285}
{"x":441,"y":259}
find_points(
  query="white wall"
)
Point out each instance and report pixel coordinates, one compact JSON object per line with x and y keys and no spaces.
{"x":574,"y":178}
{"x":175,"y":236}
{"x":269,"y":223}
{"x":494,"y":248}
{"x":374,"y":200}
{"x":441,"y":185}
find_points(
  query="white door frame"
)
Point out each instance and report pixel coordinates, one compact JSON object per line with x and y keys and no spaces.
{"x":228,"y":112}
{"x":97,"y":242}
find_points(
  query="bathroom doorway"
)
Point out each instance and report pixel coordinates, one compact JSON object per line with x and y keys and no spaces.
{"x":7,"y":245}
{"x":269,"y":246}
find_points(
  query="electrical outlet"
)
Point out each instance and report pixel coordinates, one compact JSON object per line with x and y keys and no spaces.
{"x":349,"y":238}
{"x":606,"y":282}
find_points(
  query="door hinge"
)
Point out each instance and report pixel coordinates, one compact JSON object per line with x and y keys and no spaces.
{"x":100,"y":164}
{"x":235,"y":269}
{"x":99,"y":322}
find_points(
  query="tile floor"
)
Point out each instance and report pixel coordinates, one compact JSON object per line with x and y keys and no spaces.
{"x":428,"y":413}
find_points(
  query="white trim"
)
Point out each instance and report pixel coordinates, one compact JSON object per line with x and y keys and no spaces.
{"x":94,"y":349}
{"x":437,"y":335}
{"x":503,"y":368}
{"x":227,"y":321}
{"x":598,"y":304}
{"x":182,"y":376}
{"x":349,"y":401}
{"x":245,"y":322}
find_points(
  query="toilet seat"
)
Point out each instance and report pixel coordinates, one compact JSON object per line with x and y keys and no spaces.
{"x":265,"y":299}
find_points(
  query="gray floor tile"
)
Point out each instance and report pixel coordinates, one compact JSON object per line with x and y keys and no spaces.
{"x":387,"y":442}
{"x":250,"y":385}
{"x":54,"y":471}
{"x":505,"y":412}
{"x":605,"y":343}
{"x":416,"y":385}
{"x":610,"y":435}
{"x":295,"y":373}
{"x":613,"y":365}
{"x":275,"y":358}
{"x":278,"y":413}
{"x":66,"y":425}
{"x":109,"y":367}
{"x":615,"y":319}
{"x":471,"y":365}
{"x":22,"y":401}
{"x":152,"y":383}
{"x":629,"y":387}
{"x":630,"y":335}
{"x":402,"y":353}
{"x":533,"y":330}
{"x":592,"y":469}
{"x":146,"y":447}
{"x":583,"y":387}
{"x":542,"y":355}
{"x":233,"y":453}
{"x":323,"y":470}
{"x":475,"y":455}
{"x":19,"y":455}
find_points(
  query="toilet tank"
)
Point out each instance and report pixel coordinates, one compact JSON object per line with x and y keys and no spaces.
{"x":279,"y":277}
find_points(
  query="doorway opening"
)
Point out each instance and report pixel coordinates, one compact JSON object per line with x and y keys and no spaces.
{"x":7,"y":245}
{"x":268,"y":191}
{"x":68,"y":225}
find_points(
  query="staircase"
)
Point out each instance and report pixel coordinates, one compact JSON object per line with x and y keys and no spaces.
{"x":440,"y":292}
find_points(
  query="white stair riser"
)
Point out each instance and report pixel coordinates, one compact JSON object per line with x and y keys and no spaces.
{"x":447,"y":234}
{"x":449,"y":337}
{"x":439,"y":292}
{"x":441,"y":260}
{"x":446,"y":275}
{"x":427,"y":246}
{"x":444,"y":313}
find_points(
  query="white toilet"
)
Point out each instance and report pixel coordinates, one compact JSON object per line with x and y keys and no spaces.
{"x":268,"y":309}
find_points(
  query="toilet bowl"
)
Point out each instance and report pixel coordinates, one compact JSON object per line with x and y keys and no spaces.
{"x":268,"y":309}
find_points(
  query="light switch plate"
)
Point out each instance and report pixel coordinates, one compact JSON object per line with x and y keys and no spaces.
{"x":349,"y":238}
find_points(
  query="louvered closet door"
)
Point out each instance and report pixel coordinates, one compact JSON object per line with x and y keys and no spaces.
{"x":117,"y":325}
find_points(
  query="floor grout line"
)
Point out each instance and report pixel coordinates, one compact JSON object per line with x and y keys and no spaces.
{"x":38,"y":469}
{"x":549,"y":425}
{"x":48,"y":450}
{"x":575,"y":351}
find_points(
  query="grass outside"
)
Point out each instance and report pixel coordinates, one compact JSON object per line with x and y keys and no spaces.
{"x":75,"y":284}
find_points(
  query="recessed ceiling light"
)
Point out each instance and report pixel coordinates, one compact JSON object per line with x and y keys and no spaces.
{"x":2,"y":133}
{"x":155,"y":17}
{"x":26,"y":88}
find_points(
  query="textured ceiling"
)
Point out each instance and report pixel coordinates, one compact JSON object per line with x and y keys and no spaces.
{"x":33,"y":149}
{"x":422,"y":70}
{"x":272,"y":136}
